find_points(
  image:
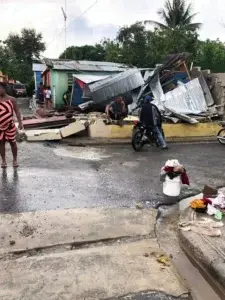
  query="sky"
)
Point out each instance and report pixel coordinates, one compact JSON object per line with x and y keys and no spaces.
{"x":89,"y":21}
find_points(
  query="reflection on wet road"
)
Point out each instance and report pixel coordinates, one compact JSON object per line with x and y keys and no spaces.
{"x":10,"y":195}
{"x":66,"y":177}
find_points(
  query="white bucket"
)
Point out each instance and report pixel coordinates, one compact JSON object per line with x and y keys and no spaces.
{"x":172,"y":187}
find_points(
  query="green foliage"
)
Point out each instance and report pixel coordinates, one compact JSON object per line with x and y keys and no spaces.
{"x":86,"y":52}
{"x":211,"y":55}
{"x":176,"y":14}
{"x":163,"y":42}
{"x":134,"y":44}
{"x":17,"y":52}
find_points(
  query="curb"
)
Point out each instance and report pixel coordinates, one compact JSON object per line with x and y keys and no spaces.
{"x":208,"y":259}
{"x":82,"y":142}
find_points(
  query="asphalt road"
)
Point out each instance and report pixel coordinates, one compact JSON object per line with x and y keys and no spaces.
{"x":54,"y":176}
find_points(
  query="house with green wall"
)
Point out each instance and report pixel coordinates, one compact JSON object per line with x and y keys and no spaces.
{"x":59,"y":74}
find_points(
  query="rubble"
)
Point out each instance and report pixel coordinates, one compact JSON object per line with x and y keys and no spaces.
{"x":43,"y":135}
{"x":182,"y":95}
{"x":73,"y":128}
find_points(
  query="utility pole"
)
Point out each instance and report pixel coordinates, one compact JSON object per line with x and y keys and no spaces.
{"x":64,"y":10}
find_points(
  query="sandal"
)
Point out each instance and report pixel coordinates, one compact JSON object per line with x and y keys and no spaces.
{"x":4,"y":165}
{"x":15,"y":165}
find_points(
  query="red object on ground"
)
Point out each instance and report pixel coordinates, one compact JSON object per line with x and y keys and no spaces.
{"x":184,"y":176}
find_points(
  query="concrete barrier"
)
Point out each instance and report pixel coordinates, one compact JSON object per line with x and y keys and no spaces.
{"x":172,"y":131}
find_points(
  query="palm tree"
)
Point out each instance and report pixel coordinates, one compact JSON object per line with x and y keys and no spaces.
{"x":176,"y":14}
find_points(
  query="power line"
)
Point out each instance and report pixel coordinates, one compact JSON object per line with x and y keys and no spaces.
{"x":83,"y":13}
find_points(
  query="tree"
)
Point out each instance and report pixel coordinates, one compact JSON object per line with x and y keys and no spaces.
{"x":211,"y":55}
{"x":26,"y":46}
{"x":17,"y":53}
{"x":113,"y":51}
{"x":133,"y":43}
{"x":163,"y":42}
{"x":86,"y":52}
{"x":176,"y":15}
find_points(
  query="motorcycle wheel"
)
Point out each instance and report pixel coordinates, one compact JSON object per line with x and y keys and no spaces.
{"x":137,"y":142}
{"x":221,"y":136}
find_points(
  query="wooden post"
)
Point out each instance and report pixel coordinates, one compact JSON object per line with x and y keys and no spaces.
{"x":187,"y":71}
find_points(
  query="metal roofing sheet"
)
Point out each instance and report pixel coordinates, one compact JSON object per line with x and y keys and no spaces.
{"x":89,"y":78}
{"x":83,"y":65}
{"x":187,"y":98}
{"x":116,"y":85}
{"x":38,"y":67}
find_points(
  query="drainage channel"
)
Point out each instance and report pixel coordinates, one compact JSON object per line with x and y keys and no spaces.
{"x":201,"y":286}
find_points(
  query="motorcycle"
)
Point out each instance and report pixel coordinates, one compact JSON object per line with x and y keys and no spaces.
{"x":142,"y":136}
{"x":221,"y":134}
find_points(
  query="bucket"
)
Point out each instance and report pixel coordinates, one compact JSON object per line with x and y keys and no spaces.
{"x":172,"y":187}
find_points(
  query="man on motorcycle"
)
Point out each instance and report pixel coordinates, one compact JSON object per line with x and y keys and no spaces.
{"x":150,"y":117}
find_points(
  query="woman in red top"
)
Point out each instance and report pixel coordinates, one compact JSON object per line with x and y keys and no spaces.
{"x":8,"y":106}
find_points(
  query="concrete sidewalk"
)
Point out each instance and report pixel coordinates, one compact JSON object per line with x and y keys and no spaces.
{"x":207,"y":253}
{"x":81,"y":254}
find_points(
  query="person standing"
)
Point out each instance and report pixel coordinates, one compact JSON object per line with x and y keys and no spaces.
{"x":8,"y":107}
{"x":150,"y":117}
{"x":48,"y":97}
{"x":67,"y":96}
{"x":40,"y":94}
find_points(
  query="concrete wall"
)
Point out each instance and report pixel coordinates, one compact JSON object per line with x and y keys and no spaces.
{"x":99,"y":130}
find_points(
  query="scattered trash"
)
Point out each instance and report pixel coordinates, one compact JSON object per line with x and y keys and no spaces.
{"x":162,"y":259}
{"x":139,"y":206}
{"x":205,"y":226}
{"x":12,"y":243}
{"x":199,"y":205}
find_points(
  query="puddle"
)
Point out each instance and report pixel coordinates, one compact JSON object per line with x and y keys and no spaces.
{"x":131,"y":164}
{"x":94,"y":154}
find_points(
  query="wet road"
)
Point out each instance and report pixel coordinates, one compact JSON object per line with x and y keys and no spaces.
{"x":68,"y":177}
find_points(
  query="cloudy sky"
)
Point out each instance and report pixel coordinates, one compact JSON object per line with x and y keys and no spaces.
{"x":88,"y":24}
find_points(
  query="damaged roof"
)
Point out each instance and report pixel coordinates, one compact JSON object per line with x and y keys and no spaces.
{"x":89,"y":78}
{"x":116,"y":85}
{"x":83,"y":65}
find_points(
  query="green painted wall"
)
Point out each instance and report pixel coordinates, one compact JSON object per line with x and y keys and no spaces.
{"x":59,"y":84}
{"x":60,"y":81}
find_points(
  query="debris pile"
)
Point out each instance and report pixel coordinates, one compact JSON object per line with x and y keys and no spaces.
{"x":183,"y":93}
{"x":212,"y":202}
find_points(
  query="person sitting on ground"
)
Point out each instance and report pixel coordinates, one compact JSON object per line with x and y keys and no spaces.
{"x":151,"y":117}
{"x":67,"y":96}
{"x":8,"y":106}
{"x":117,"y":109}
{"x":48,"y":97}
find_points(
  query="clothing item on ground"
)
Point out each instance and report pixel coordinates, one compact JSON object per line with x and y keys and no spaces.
{"x":173,"y":169}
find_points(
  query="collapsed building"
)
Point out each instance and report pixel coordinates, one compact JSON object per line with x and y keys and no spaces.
{"x":182,"y":94}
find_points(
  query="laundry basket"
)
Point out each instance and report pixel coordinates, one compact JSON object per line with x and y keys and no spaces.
{"x":172,"y":187}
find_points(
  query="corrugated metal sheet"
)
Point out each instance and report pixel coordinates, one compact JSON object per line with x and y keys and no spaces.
{"x":157,"y":91}
{"x":116,"y":85}
{"x":89,"y":78}
{"x":82,"y":65}
{"x":38,"y":67}
{"x":187,"y":98}
{"x":208,"y":96}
